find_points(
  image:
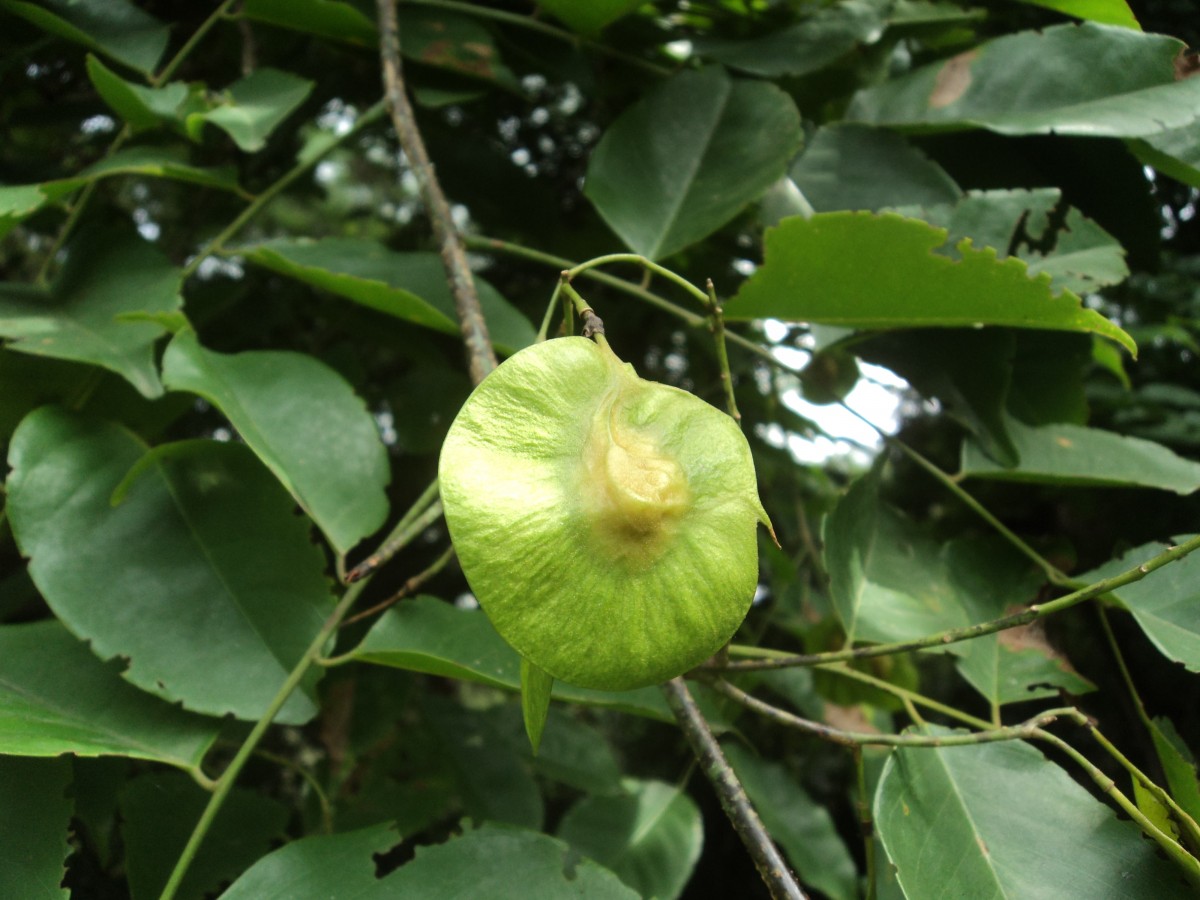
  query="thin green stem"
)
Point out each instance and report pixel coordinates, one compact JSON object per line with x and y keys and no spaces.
{"x":407,"y":589}
{"x":648,"y":265}
{"x":718,"y":329}
{"x":310,"y":780}
{"x":425,"y":509}
{"x":409,"y":526}
{"x":217,"y":244}
{"x":1122,"y":668}
{"x":905,"y":694}
{"x":1187,"y":862}
{"x":197,"y":36}
{"x":779,"y":716}
{"x":1052,"y":572}
{"x":773,"y":659}
{"x":593,"y":325}
{"x":531,"y":24}
{"x":544,"y":331}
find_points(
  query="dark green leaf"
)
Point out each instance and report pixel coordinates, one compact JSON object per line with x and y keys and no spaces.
{"x":304,"y":422}
{"x":427,"y":635}
{"x":685,"y":159}
{"x":1175,"y":153}
{"x":1166,"y":603}
{"x":56,"y":697}
{"x":179,"y":577}
{"x":802,"y":828}
{"x":814,"y":272}
{"x":35,"y":816}
{"x":821,"y":38}
{"x":327,"y":18}
{"x":83,"y":317}
{"x":1055,"y":73}
{"x":649,"y":836}
{"x":947,"y":819}
{"x":458,"y":44}
{"x":1072,"y":455}
{"x":1178,"y":764}
{"x":254,"y":106}
{"x":849,"y":166}
{"x":333,"y":866}
{"x":116,"y":28}
{"x":161,"y":809}
{"x":409,"y":286}
{"x":492,"y":778}
{"x":142,"y":107}
{"x":590,"y":17}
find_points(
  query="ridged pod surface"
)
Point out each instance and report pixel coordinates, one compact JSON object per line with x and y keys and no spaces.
{"x":606,"y":524}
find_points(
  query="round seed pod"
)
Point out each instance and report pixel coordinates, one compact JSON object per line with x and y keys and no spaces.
{"x":606,"y":524}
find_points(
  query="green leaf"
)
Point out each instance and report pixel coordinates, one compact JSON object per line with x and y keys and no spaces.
{"x":410,"y":286}
{"x":946,"y":816}
{"x":649,"y":836}
{"x":326,"y":18}
{"x":141,"y":107}
{"x":1166,"y":603}
{"x":1175,"y":153}
{"x":687,"y":157}
{"x":1054,"y":72}
{"x":56,"y":697}
{"x":499,"y":862}
{"x":161,"y":809}
{"x":455,"y":43}
{"x":1178,"y":764}
{"x":850,"y":166}
{"x":814,"y":272}
{"x":426,"y":635}
{"x":179,"y":577}
{"x":575,"y":753}
{"x":802,"y":827}
{"x":254,"y":106}
{"x":1072,"y":455}
{"x":493,"y":780}
{"x":303,"y":421}
{"x":35,"y":819}
{"x":590,"y":17}
{"x":536,"y":686}
{"x":116,"y":28}
{"x":817,"y":40}
{"x":327,"y":865}
{"x":1078,"y":254}
{"x":106,"y":278}
{"x":1108,"y":12}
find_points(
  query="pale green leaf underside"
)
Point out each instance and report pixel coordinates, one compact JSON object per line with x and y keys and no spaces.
{"x":1060,"y":77}
{"x":1074,"y":455}
{"x":303,"y":421}
{"x":861,"y":270}
{"x":1000,"y":821}
{"x":410,"y":286}
{"x":1107,"y":12}
{"x":1166,"y":603}
{"x":176,"y":577}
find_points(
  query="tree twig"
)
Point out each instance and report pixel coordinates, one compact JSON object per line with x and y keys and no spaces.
{"x":406,"y":589}
{"x":481,"y":357}
{"x":774,"y":659}
{"x":750,"y":829}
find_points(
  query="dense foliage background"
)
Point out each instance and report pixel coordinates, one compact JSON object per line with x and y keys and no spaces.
{"x":232,"y":353}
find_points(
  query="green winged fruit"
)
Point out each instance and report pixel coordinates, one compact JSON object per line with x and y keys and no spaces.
{"x":606,"y":524}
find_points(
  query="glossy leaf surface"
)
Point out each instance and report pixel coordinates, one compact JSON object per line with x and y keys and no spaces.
{"x":688,"y":157}
{"x":175,"y":576}
{"x":303,"y":421}
{"x":814,"y":273}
